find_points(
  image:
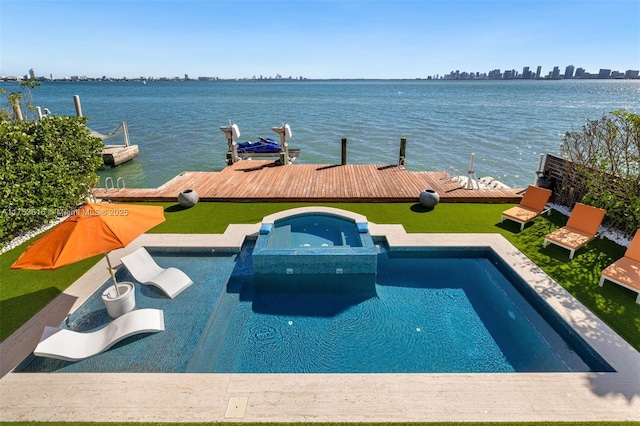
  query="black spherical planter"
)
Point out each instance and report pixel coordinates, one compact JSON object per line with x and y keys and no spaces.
{"x":188,"y":198}
{"x":429,"y":198}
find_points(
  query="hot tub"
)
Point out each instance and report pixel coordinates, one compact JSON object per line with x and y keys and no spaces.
{"x":317,"y":242}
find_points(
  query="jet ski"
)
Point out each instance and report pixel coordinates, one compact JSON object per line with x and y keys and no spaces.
{"x":263,"y":145}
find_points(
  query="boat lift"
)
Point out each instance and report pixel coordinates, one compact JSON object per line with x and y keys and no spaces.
{"x":112,"y":155}
{"x":285,"y":155}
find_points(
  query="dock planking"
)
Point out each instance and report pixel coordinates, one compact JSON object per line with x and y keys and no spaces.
{"x":263,"y":181}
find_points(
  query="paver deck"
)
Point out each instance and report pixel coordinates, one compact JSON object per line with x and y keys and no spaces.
{"x":263,"y":181}
{"x":217,"y":397}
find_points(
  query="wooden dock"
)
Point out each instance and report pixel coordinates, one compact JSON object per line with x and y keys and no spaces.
{"x":262,"y":181}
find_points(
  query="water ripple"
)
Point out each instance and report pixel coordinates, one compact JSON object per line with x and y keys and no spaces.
{"x":505,"y":123}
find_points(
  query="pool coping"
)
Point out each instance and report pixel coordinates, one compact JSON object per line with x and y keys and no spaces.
{"x":217,"y":397}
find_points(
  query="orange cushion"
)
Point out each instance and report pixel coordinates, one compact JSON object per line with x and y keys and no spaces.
{"x":569,"y":237}
{"x":535,"y":198}
{"x":521,"y":214}
{"x":586,"y":218}
{"x":624,"y":270}
{"x":633,"y":251}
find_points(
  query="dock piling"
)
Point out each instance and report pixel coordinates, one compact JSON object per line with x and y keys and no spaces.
{"x":17,"y":111}
{"x":344,"y":151}
{"x":76,"y":101}
{"x":403,"y":151}
{"x":539,"y":169}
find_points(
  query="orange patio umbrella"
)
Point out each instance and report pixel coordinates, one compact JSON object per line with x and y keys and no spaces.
{"x":92,"y":229}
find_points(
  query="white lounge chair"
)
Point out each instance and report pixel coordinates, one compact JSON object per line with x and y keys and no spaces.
{"x":146,"y":271}
{"x":71,"y":345}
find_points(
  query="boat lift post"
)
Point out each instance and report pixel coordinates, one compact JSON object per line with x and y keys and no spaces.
{"x":232,"y":132}
{"x":125,"y":134}
{"x":285,"y":134}
{"x":471,"y":177}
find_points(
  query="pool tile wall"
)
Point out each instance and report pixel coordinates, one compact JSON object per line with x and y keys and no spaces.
{"x":315,"y":260}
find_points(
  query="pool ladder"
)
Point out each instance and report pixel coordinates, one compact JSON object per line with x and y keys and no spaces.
{"x":108,"y":184}
{"x":452,"y":174}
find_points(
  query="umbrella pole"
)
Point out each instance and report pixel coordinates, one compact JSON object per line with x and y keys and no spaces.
{"x":113,"y":275}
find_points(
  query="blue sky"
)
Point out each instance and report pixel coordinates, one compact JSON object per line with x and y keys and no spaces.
{"x":313,"y":38}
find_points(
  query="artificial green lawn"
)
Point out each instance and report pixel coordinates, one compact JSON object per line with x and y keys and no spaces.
{"x":24,"y":293}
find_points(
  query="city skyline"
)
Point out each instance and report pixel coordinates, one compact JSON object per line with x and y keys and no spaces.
{"x":570,"y":72}
{"x":315,"y":39}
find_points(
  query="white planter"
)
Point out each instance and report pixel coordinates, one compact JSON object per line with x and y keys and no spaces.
{"x":188,"y":198}
{"x":429,"y":198}
{"x":119,"y":305}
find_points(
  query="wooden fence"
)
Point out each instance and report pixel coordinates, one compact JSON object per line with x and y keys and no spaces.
{"x":570,"y":184}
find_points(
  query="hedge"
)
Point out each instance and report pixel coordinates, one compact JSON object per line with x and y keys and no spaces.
{"x":46,"y":169}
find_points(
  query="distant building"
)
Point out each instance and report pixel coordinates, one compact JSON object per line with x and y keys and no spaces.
{"x":555,"y":74}
{"x":604,"y":73}
{"x":631,"y":74}
{"x":580,"y":73}
{"x":526,"y":73}
{"x":32,"y":73}
{"x":495,"y":74}
{"x":568,"y":72}
{"x":538,"y":72}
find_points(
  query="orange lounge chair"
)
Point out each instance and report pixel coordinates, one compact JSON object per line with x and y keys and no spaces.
{"x":532,"y":205}
{"x":626,"y":270}
{"x":581,"y":228}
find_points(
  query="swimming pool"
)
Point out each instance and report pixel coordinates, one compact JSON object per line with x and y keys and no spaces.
{"x":428,"y":311}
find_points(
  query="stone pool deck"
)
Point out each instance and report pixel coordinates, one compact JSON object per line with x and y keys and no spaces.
{"x":219,"y":397}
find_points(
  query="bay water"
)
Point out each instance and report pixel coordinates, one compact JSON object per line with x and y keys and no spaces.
{"x":506,"y":124}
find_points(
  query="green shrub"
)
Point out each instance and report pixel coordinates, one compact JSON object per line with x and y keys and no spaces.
{"x":622,"y":202}
{"x":605,"y":167}
{"x":46,"y":168}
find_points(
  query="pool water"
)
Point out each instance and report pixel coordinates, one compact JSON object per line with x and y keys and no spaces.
{"x":314,"y":230}
{"x":425,"y":312}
